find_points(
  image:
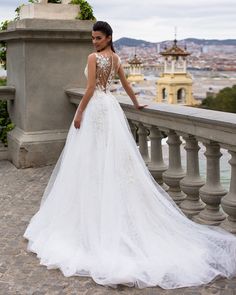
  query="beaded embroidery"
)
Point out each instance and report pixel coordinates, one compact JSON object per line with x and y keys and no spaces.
{"x":104,"y":71}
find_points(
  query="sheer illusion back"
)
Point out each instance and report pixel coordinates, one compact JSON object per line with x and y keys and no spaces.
{"x":106,"y":69}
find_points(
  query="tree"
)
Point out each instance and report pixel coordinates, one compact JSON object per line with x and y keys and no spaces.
{"x":224,"y":101}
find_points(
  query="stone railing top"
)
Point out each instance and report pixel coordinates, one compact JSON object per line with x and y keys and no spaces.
{"x":48,"y":29}
{"x":51,"y":24}
{"x":7,"y":92}
{"x":207,"y":125}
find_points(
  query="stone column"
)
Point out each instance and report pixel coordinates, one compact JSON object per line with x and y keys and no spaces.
{"x":157,"y":165}
{"x":143,"y":145}
{"x":43,"y":58}
{"x":212,"y":192}
{"x":228,"y":202}
{"x":175,"y":172}
{"x":192,"y":182}
{"x":185,"y":66}
{"x":172,"y":66}
{"x":165,"y":65}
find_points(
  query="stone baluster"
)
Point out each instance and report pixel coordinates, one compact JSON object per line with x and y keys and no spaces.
{"x":192,"y":182}
{"x":175,"y":172}
{"x":157,"y":165}
{"x":228,"y":202}
{"x":212,"y":192}
{"x":143,"y":144}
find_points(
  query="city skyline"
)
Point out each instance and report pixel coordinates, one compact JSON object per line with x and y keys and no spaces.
{"x":155,"y":20}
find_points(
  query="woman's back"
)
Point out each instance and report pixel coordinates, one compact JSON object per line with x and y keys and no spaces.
{"x":107,"y":65}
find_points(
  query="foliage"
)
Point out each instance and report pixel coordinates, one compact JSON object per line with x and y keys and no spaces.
{"x":5,"y":122}
{"x":17,"y":11}
{"x":86,"y":10}
{"x":3,"y":46}
{"x":224,"y":101}
{"x":3,"y":81}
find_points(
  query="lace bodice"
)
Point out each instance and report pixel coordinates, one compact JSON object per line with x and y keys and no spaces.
{"x":106,"y":68}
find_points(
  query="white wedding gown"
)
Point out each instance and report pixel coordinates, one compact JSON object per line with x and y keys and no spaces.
{"x":103,"y":215}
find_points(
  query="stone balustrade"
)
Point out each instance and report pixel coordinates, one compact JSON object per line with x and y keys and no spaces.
{"x":206,"y":202}
{"x":7,"y":92}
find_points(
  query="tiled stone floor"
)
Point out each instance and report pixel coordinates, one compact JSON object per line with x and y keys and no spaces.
{"x":20,"y":272}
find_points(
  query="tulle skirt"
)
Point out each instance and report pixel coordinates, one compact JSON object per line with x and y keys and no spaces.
{"x":103,"y":215}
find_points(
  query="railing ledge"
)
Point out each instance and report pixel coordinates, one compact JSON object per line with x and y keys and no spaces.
{"x":7,"y":93}
{"x":205,"y":124}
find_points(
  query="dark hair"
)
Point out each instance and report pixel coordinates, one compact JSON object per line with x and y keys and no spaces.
{"x":105,"y":28}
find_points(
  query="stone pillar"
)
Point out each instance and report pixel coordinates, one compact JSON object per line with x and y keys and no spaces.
{"x":172,"y":66}
{"x":165,"y":65}
{"x":142,"y":139}
{"x":185,"y":66}
{"x":228,"y":202}
{"x":175,"y":172}
{"x":192,"y":182}
{"x":212,"y":192}
{"x":157,"y":165}
{"x":43,"y":58}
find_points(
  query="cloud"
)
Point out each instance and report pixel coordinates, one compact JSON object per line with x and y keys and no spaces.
{"x":163,"y":9}
{"x":154,"y":20}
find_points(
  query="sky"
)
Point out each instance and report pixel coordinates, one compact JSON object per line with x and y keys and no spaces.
{"x":155,"y":20}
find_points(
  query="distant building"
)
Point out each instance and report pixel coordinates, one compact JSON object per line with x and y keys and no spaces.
{"x":175,"y":85}
{"x":211,"y":92}
{"x":205,"y":49}
{"x":135,"y":70}
{"x":158,"y":47}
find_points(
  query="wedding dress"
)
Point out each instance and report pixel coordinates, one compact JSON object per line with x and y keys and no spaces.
{"x":103,"y":215}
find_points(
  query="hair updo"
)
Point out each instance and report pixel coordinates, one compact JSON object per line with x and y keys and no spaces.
{"x":106,"y":29}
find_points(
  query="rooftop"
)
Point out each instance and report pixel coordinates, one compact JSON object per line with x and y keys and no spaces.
{"x":175,"y":51}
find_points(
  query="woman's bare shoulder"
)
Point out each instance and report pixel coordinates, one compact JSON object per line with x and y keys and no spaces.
{"x":117,"y":58}
{"x":91,"y":60}
{"x":116,"y":55}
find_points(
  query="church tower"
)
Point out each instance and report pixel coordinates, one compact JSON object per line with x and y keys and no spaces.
{"x":175,"y":84}
{"x":135,"y":74}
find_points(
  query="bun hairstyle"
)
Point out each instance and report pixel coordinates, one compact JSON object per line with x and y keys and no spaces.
{"x":105,"y":28}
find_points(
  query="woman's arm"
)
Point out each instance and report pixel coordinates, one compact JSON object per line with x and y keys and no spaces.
{"x":128,"y":88}
{"x":91,"y":84}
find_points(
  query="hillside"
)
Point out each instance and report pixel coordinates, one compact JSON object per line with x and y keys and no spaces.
{"x":142,"y":43}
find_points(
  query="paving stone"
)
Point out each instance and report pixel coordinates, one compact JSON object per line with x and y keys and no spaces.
{"x":20,"y":271}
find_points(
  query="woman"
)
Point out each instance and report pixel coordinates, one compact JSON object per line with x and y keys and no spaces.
{"x":103,"y":215}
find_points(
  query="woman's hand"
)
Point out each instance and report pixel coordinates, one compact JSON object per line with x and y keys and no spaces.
{"x":140,"y":106}
{"x":77,"y":120}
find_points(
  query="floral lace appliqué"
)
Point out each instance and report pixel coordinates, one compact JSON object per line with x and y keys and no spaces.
{"x":104,"y":71}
